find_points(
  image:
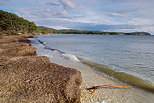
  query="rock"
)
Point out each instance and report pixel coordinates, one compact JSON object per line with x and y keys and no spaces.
{"x":33,"y":79}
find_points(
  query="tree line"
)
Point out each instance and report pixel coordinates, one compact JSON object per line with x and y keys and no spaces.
{"x":11,"y":23}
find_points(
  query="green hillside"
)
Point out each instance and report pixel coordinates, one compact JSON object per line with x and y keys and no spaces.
{"x":46,"y":30}
{"x":13,"y":24}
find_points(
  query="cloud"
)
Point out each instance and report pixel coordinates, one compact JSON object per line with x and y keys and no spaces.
{"x":124,"y":15}
{"x":59,"y":27}
{"x":114,"y":14}
{"x":103,"y":27}
{"x":68,"y":4}
{"x":52,"y":4}
{"x":4,"y":2}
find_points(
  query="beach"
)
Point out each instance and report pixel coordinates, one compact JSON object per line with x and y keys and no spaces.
{"x":28,"y":76}
{"x":56,"y":50}
{"x":76,"y":51}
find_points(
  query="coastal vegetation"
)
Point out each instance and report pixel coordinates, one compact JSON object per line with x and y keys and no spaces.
{"x":12,"y":24}
{"x":46,"y":30}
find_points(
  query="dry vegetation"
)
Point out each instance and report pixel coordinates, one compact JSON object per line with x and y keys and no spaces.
{"x":27,"y":78}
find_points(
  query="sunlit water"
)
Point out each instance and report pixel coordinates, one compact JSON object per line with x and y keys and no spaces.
{"x":130,"y":54}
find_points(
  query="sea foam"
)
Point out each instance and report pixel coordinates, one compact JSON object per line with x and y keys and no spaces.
{"x":70,"y":57}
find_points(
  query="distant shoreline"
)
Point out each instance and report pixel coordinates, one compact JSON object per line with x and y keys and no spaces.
{"x":46,"y":30}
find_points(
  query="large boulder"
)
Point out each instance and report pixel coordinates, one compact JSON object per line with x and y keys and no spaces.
{"x":36,"y":80}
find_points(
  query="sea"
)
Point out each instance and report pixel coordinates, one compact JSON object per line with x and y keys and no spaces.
{"x":128,"y":58}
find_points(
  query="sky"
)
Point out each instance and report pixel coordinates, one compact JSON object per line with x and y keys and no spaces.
{"x":92,"y":15}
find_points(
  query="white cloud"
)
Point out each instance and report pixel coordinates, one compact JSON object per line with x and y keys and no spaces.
{"x":140,"y":21}
{"x":4,"y":2}
{"x":59,"y":27}
{"x":114,"y":14}
{"x":52,"y":4}
{"x":68,"y":4}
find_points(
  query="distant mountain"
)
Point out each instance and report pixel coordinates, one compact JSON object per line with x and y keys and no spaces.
{"x":70,"y":31}
{"x":43,"y":27}
{"x":46,"y":30}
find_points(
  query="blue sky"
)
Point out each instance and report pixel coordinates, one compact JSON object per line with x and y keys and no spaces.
{"x":94,"y":15}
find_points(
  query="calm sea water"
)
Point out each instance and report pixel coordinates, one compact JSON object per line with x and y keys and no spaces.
{"x":130,"y":54}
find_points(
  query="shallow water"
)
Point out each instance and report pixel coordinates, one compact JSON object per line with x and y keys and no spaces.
{"x":130,"y":54}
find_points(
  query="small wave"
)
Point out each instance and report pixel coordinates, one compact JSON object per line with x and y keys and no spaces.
{"x":63,"y":54}
{"x":46,"y":47}
{"x":70,"y":57}
{"x":56,"y":50}
{"x":122,"y":76}
{"x":41,"y":42}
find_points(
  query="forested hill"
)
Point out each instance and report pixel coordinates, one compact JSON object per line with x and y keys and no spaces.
{"x":11,"y":23}
{"x":47,"y":30}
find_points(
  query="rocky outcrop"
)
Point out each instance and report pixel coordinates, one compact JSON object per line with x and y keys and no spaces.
{"x":26,"y":78}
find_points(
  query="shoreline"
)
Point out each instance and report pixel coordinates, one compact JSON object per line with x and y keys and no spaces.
{"x":93,"y":78}
{"x":18,"y":82}
{"x":121,"y":76}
